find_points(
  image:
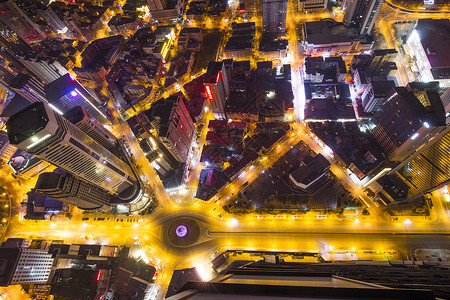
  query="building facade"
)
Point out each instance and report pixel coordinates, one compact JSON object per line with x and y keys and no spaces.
{"x":404,"y":126}
{"x":73,"y":191}
{"x":15,"y":18}
{"x":21,"y":265}
{"x":274,"y":16}
{"x":362,"y":14}
{"x":66,"y":93}
{"x":49,"y":136}
{"x":217,"y":89}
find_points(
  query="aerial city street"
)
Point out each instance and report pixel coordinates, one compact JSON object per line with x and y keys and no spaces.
{"x":207,"y":149}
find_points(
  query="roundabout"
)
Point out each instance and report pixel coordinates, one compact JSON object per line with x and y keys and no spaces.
{"x":182,"y":232}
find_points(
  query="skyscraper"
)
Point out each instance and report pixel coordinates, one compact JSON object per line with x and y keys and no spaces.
{"x":44,"y":68}
{"x":155,"y":5}
{"x":51,"y":137}
{"x":404,"y":126}
{"x":21,"y":265}
{"x":14,"y":17}
{"x":86,"y":123}
{"x":174,"y":127}
{"x":217,"y":89}
{"x":65,"y":93}
{"x":28,"y":87}
{"x":274,"y":16}
{"x":361,"y":14}
{"x":73,"y":191}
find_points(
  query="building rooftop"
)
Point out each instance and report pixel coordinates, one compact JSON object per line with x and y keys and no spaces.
{"x":213,"y":69}
{"x":327,"y":31}
{"x":435,"y":38}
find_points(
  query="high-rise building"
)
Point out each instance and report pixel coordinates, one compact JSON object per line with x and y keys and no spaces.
{"x":217,"y":89}
{"x":375,"y":93}
{"x":155,"y":151}
{"x":86,"y":123}
{"x":445,"y":97}
{"x":45,"y":69}
{"x":15,"y":18}
{"x":73,"y":191}
{"x":361,"y":14}
{"x":21,"y":265}
{"x":312,"y":6}
{"x":11,"y":44}
{"x":274,"y":16}
{"x":66,"y":93}
{"x":406,"y":125}
{"x":174,"y":127}
{"x":432,"y":165}
{"x":155,"y":5}
{"x":54,"y":21}
{"x":28,"y":87}
{"x":51,"y":137}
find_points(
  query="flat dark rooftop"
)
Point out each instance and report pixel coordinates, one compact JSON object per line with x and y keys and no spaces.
{"x":435,"y":39}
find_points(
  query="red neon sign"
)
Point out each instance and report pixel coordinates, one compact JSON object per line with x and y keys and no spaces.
{"x":290,"y":108}
{"x":99,"y":274}
{"x":242,"y":10}
{"x":218,"y":76}
{"x":155,"y":275}
{"x":208,"y":92}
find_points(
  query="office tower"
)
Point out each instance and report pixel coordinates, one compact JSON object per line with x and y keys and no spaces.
{"x":405,"y":125}
{"x":66,"y":93}
{"x":155,"y":5}
{"x":28,"y":87}
{"x":274,"y":16}
{"x":79,"y":117}
{"x":375,"y":94}
{"x":217,"y":89}
{"x":12,"y":44}
{"x":381,"y":61}
{"x":21,"y":265}
{"x":6,"y":77}
{"x":445,"y":98}
{"x":432,"y":165}
{"x":173,"y":126}
{"x":312,"y":6}
{"x":361,"y":14}
{"x":51,"y":137}
{"x":154,"y":150}
{"x":44,"y":68}
{"x":14,"y":17}
{"x":71,"y":190}
{"x":54,"y":21}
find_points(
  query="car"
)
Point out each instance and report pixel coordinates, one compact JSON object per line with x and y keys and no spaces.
{"x":220,"y":216}
{"x":100,"y":219}
{"x":84,"y":219}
